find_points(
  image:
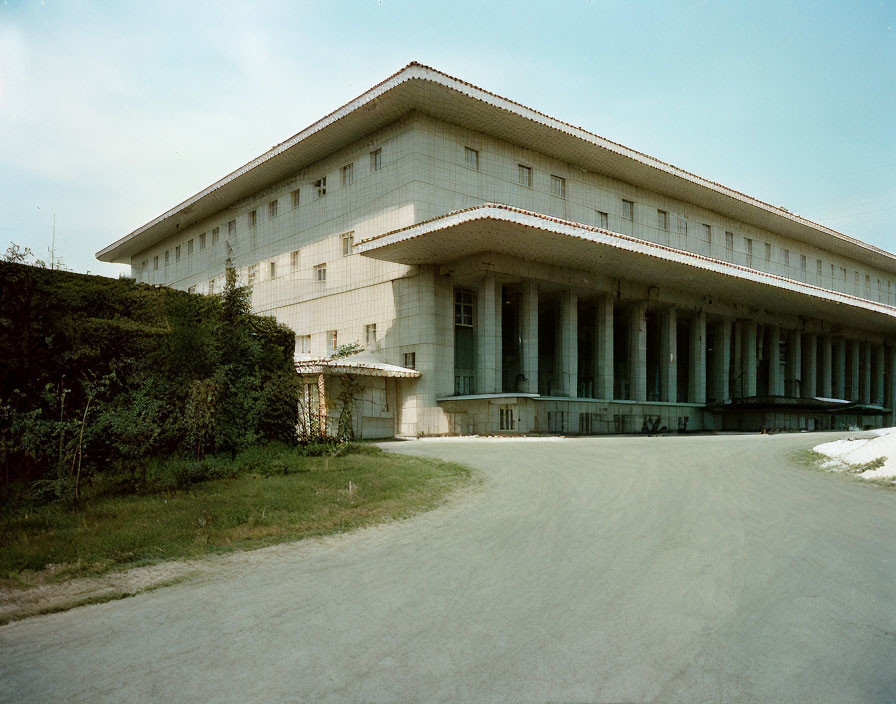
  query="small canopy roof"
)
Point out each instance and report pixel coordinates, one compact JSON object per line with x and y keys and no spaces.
{"x":354,"y":365}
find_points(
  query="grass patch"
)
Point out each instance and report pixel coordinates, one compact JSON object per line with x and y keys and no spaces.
{"x":814,"y":460}
{"x":274,"y":496}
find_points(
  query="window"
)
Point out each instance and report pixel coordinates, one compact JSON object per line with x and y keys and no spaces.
{"x":586,"y":423}
{"x":303,"y":344}
{"x":768,"y":252}
{"x":832,"y":272}
{"x":524,"y":175}
{"x":558,"y":186}
{"x":803,"y":263}
{"x":168,"y":256}
{"x":370,"y":335}
{"x":604,"y":219}
{"x":155,"y":263}
{"x":376,"y":160}
{"x":215,"y":233}
{"x":506,"y":418}
{"x":211,"y":286}
{"x":295,"y":198}
{"x":410,"y":360}
{"x":707,"y":234}
{"x":348,"y":174}
{"x":189,"y":247}
{"x":662,"y":219}
{"x":320,"y":272}
{"x":294,"y":260}
{"x":463,"y":307}
{"x":253,"y":273}
{"x":682,"y":225}
{"x":273,"y":270}
{"x":177,"y":254}
{"x":231,"y":228}
{"x":253,"y":218}
{"x":786,"y":257}
{"x":348,"y":241}
{"x":628,"y":210}
{"x":332,"y":341}
{"x":748,"y":247}
{"x":729,"y":243}
{"x":471,"y":158}
{"x":202,"y":241}
{"x":273,"y":209}
{"x":867,"y":284}
{"x":320,"y":187}
{"x":818,"y":266}
{"x":843,"y":274}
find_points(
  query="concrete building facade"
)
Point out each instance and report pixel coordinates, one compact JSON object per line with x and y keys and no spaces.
{"x":508,"y":272}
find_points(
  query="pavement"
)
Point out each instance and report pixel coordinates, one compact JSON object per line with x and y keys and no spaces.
{"x":692,"y":569}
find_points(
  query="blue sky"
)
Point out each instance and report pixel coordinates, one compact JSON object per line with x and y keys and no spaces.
{"x":111,"y":113}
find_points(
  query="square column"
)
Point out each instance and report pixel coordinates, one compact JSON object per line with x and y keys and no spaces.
{"x":750,"y":358}
{"x":827,"y":367}
{"x":740,"y":384}
{"x":569,"y":344}
{"x":866,"y":372}
{"x":697,"y":373}
{"x":808,"y":387}
{"x":529,"y":334}
{"x":668,"y":353}
{"x":879,"y":362}
{"x":488,"y":352}
{"x":775,"y":382}
{"x":794,"y":364}
{"x":603,"y":346}
{"x":854,"y":370}
{"x":890,"y":383}
{"x":721,"y":360}
{"x":638,"y":351}
{"x":840,"y":367}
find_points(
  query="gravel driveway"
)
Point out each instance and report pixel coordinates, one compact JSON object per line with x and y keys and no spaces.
{"x":585,"y":570}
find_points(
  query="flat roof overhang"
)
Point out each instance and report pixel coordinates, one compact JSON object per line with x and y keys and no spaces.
{"x":532,"y":236}
{"x":426,"y":90}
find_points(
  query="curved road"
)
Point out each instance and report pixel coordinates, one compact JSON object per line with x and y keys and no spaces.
{"x":586,"y":570}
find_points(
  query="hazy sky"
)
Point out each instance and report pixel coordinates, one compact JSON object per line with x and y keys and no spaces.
{"x":111,"y":113}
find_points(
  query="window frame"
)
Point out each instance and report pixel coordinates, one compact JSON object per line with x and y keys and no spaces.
{"x":320,"y":273}
{"x":628,"y":210}
{"x":471,"y":158}
{"x":521,"y":171}
{"x":273,"y":208}
{"x":662,"y":219}
{"x":348,"y":174}
{"x":558,"y":186}
{"x":296,"y":197}
{"x":253,"y":219}
{"x":320,"y":186}
{"x":376,"y":160}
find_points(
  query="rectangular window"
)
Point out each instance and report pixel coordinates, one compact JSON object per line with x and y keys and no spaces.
{"x":843,"y":274}
{"x":370,"y":335}
{"x":832,"y":273}
{"x":662,"y":219}
{"x":189,"y":247}
{"x":294,"y":260}
{"x":410,"y":360}
{"x":803,"y":263}
{"x":303,"y":344}
{"x":253,"y":273}
{"x":768,"y":252}
{"x":682,"y":225}
{"x":320,"y":273}
{"x":320,"y":187}
{"x":273,"y":209}
{"x":253,"y":218}
{"x":506,"y":418}
{"x":168,"y":256}
{"x":628,"y":210}
{"x":216,"y":231}
{"x":729,"y":243}
{"x":463,"y":307}
{"x":348,"y":174}
{"x":818,"y":266}
{"x":748,"y":247}
{"x":332,"y":340}
{"x":376,"y":160}
{"x":558,"y":186}
{"x":202,"y":241}
{"x":524,"y":175}
{"x":296,"y":196}
{"x":211,"y":286}
{"x":471,"y":158}
{"x":273,"y":270}
{"x":707,"y":234}
{"x":604,"y":219}
{"x":348,"y":241}
{"x":786,"y":257}
{"x":231,"y":228}
{"x":177,"y":254}
{"x":155,"y":263}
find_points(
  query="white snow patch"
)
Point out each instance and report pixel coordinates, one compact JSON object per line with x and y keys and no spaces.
{"x":876,"y":444}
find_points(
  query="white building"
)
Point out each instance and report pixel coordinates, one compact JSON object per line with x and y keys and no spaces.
{"x":509,"y":272}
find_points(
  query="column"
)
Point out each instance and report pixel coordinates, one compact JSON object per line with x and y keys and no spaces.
{"x":840,"y":368}
{"x":668,"y":354}
{"x":827,"y":367}
{"x":488,"y":353}
{"x":808,"y":388}
{"x":879,"y":362}
{"x":697,"y":372}
{"x":721,"y":360}
{"x":866,"y":375}
{"x":794,"y":363}
{"x":775,"y":385}
{"x":890,"y":383}
{"x":739,"y":378}
{"x":854,"y":370}
{"x":569,"y":344}
{"x":603,"y":346}
{"x":529,"y":333}
{"x":750,"y":358}
{"x":638,"y":351}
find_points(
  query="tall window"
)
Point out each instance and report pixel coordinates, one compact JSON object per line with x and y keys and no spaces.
{"x":603,"y":219}
{"x":348,"y":241}
{"x":216,"y":231}
{"x":332,"y":340}
{"x":471,"y":158}
{"x":189,"y":247}
{"x":818,"y":266}
{"x":253,"y":273}
{"x":463,"y":307}
{"x":748,"y":247}
{"x":506,"y":418}
{"x":320,"y":187}
{"x":273,"y":208}
{"x":803,"y":263}
{"x":211,"y":286}
{"x":729,"y":243}
{"x":768,"y":252}
{"x":320,"y":273}
{"x":202,"y":241}
{"x":348,"y":174}
{"x":296,"y":196}
{"x":628,"y":210}
{"x":786,"y":257}
{"x":155,"y":263}
{"x":253,"y":218}
{"x":303,"y":344}
{"x":231,"y":228}
{"x":177,"y":253}
{"x":707,"y":233}
{"x":294,"y":260}
{"x":370,"y":335}
{"x":662,"y":219}
{"x":168,"y":257}
{"x":410,"y":360}
{"x":558,"y":186}
{"x":524,"y":175}
{"x":273,"y":270}
{"x":682,"y":225}
{"x":376,"y":160}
